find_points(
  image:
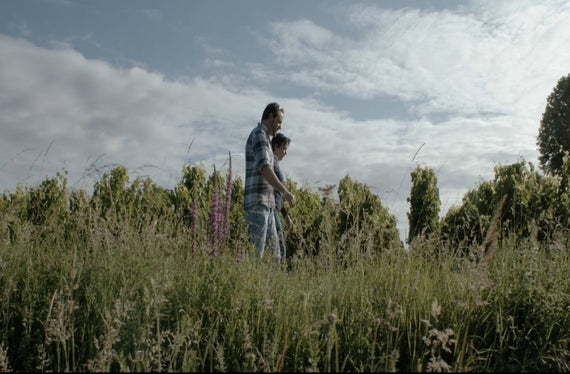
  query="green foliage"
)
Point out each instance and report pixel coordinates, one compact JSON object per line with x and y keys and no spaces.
{"x":533,"y":299}
{"x":139,"y":301}
{"x":48,"y":201}
{"x":534,"y":205}
{"x":92,"y":271}
{"x":125,"y":280}
{"x":424,"y":201}
{"x":340,"y":230}
{"x":308,"y":217}
{"x":554,"y":132}
{"x":189,"y":191}
{"x":110,"y":195}
{"x":238,"y":228}
{"x":362,"y":212}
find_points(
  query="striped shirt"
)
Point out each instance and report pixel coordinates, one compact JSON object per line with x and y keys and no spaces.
{"x":258,"y":154}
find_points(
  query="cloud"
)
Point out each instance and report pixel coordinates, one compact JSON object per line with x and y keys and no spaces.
{"x":60,"y":110}
{"x":489,"y":58}
{"x":298,"y":40}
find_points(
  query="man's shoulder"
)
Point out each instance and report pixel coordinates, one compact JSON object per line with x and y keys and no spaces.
{"x":256,"y":131}
{"x":259,"y":135}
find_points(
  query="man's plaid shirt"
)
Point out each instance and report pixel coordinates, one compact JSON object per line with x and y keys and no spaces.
{"x":258,"y":154}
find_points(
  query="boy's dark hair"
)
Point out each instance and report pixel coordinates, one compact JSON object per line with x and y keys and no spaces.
{"x":279,"y":140}
{"x":272,"y":108}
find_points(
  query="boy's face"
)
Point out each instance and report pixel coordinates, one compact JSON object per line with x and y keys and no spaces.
{"x":281,"y":151}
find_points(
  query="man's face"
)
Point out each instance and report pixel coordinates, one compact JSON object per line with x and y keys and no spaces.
{"x":276,"y":123}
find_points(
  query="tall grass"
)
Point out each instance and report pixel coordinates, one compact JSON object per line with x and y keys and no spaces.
{"x":111,"y":295}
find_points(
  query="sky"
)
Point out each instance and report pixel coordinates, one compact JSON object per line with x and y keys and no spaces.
{"x":371,"y":89}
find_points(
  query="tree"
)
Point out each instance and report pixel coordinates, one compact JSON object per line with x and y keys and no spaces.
{"x":424,"y":203}
{"x":110,"y":193}
{"x":528,"y":203}
{"x":554,"y":133}
{"x":361,"y":211}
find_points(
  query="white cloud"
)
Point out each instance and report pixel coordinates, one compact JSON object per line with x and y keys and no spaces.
{"x":488,"y":59}
{"x":301,"y":41}
{"x":61,"y":110}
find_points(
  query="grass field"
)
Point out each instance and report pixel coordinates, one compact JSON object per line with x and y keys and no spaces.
{"x":100,"y":294}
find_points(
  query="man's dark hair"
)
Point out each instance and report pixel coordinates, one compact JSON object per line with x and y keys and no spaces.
{"x":272,"y":108}
{"x":278,"y":140}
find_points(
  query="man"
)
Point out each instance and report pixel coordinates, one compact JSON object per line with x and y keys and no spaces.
{"x":261,"y":182}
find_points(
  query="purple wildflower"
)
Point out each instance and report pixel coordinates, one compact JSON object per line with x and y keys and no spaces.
{"x":194,"y":227}
{"x":215,"y":219}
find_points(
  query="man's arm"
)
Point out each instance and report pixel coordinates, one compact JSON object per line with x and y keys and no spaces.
{"x":272,"y":179}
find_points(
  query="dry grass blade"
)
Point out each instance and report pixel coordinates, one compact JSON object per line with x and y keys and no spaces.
{"x":491,"y":240}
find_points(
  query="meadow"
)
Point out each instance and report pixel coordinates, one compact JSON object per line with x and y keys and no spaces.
{"x":134,"y":277}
